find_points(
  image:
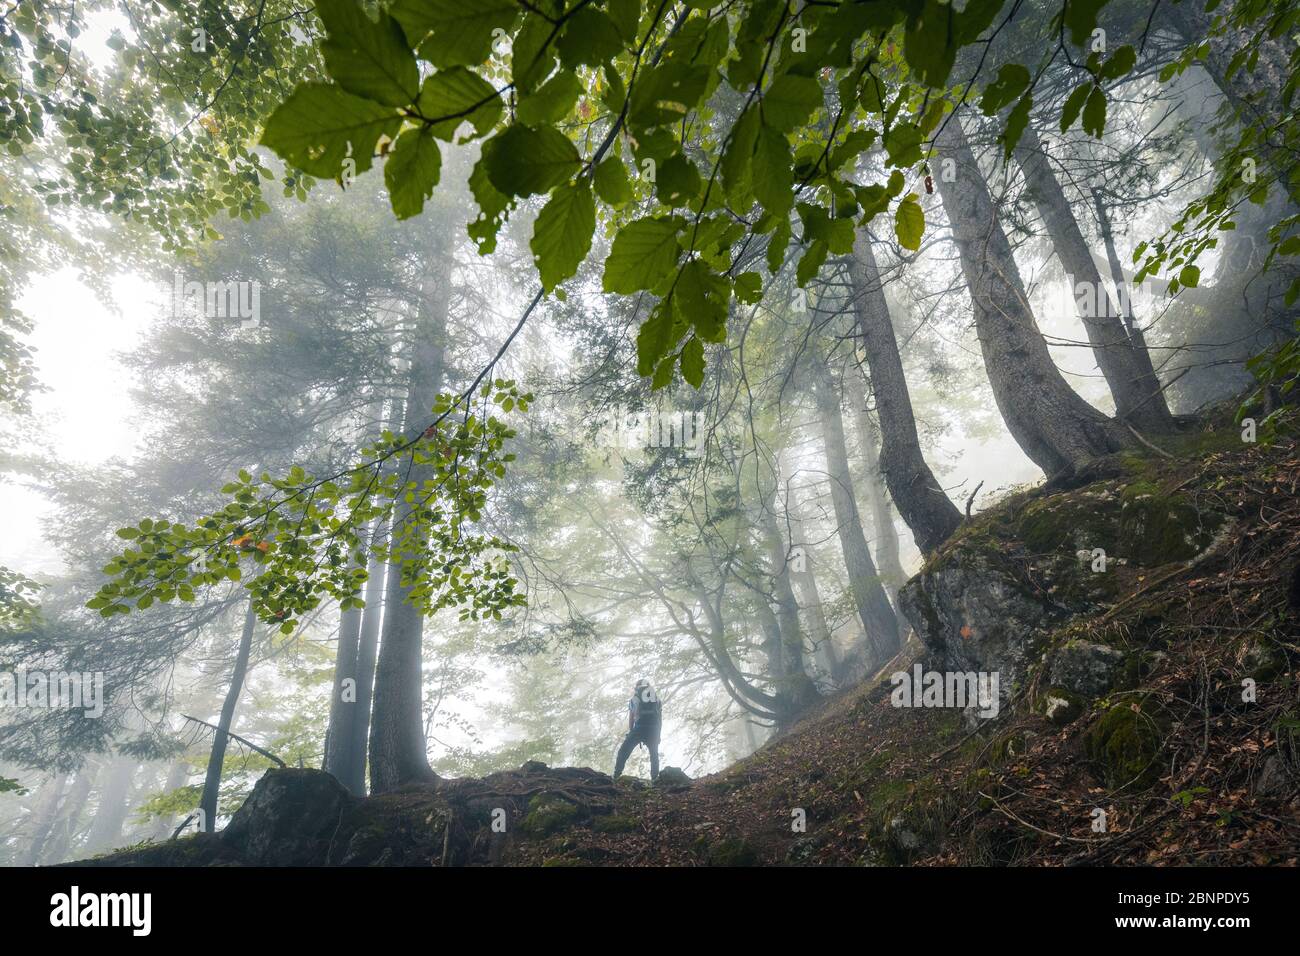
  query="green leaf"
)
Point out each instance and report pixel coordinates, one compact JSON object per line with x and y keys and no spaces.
{"x":749,"y":287}
{"x":643,"y":252}
{"x":654,"y":338}
{"x":626,"y":14}
{"x":811,"y":262}
{"x":909,"y":222}
{"x":663,"y":374}
{"x":790,"y":101}
{"x":365,"y":57}
{"x":532,"y":56}
{"x":1017,"y":120}
{"x":678,"y":181}
{"x":777,"y":245}
{"x":1073,"y":104}
{"x":318,"y":124}
{"x":1013,"y":79}
{"x":562,"y":233}
{"x":590,"y":38}
{"x":692,"y":361}
{"x":412,"y":171}
{"x":665,"y":92}
{"x":528,"y":160}
{"x":462,"y":29}
{"x":1094,"y":113}
{"x":1121,"y":62}
{"x":903,"y":144}
{"x":773,"y":171}
{"x":1189,"y":276}
{"x":551,"y":101}
{"x":493,"y":205}
{"x":702,"y":300}
{"x":611,"y":181}
{"x":461,"y":95}
{"x":738,"y":157}
{"x":1081,"y":18}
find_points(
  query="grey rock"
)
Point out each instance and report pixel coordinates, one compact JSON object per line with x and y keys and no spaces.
{"x":1087,"y":669}
{"x":974,"y":616}
{"x":673,"y":777}
{"x":288,"y":819}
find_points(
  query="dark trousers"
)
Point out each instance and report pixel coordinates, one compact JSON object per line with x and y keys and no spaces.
{"x":647,"y":734}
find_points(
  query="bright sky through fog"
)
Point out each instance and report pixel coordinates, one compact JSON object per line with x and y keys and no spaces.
{"x":85,"y":412}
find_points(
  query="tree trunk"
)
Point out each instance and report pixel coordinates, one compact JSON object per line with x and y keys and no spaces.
{"x":805,"y":582}
{"x":56,"y":851}
{"x":112,"y":807}
{"x":1139,"y":400}
{"x":879,"y":622}
{"x":217,"y":758}
{"x":43,"y":817}
{"x":1057,"y":429}
{"x":367,"y":648}
{"x":798,"y":687}
{"x":397,"y":743}
{"x":339,"y":737}
{"x":888,"y":561}
{"x":921,"y":501}
{"x":176,"y":774}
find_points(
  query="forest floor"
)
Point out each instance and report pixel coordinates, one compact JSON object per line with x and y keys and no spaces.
{"x":859,"y":781}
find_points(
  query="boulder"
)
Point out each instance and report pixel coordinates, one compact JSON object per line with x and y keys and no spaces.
{"x":289,"y":819}
{"x":673,"y":777}
{"x":972,"y":614}
{"x":1086,"y":669}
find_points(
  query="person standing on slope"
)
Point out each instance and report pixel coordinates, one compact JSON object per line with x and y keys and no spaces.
{"x":643,"y":723}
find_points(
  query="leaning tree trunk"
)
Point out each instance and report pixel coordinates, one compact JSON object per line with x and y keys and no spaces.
{"x":217,"y":758}
{"x":1057,"y":429}
{"x":917,"y":495}
{"x":879,"y":622}
{"x":1139,"y":399}
{"x":888,"y":561}
{"x":398,"y":752}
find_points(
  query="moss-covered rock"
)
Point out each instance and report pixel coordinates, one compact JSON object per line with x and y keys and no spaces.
{"x":1157,"y":528}
{"x":615,"y":823}
{"x":1060,"y":706}
{"x":1125,"y":745}
{"x":547,"y":814}
{"x":730,"y":851}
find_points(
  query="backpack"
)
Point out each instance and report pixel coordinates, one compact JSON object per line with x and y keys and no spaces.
{"x":647,"y":705}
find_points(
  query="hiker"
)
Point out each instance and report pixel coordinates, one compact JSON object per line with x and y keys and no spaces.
{"x":643,"y":722}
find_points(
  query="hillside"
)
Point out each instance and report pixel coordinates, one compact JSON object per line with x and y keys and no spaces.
{"x":1121,"y":691}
